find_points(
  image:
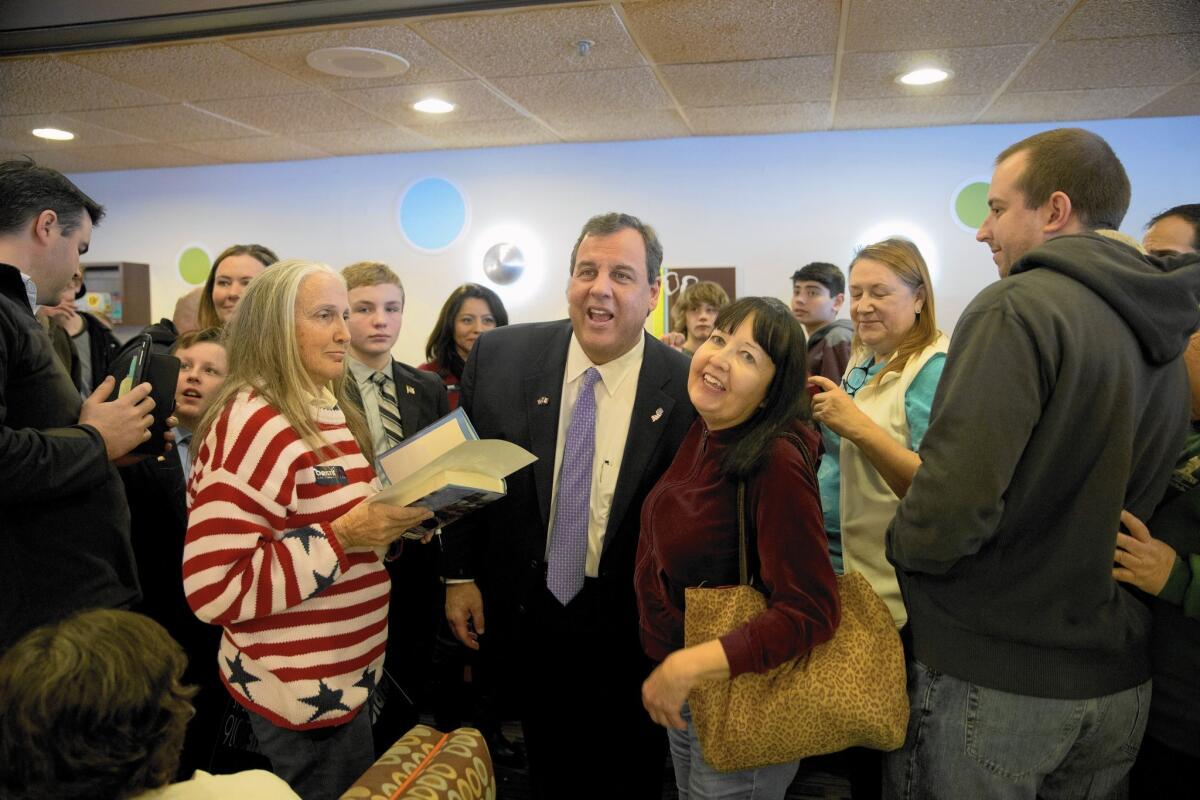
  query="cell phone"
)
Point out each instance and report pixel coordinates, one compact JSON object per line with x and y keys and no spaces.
{"x":139,"y":364}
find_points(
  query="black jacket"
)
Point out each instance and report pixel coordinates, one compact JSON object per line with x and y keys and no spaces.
{"x":512,"y":388}
{"x":64,"y":524}
{"x":1064,"y":400}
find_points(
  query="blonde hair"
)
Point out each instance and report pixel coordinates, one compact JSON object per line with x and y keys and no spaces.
{"x":692,"y":298}
{"x":1123,"y":238}
{"x":372,"y":273}
{"x":904,"y":259}
{"x":264,"y":356}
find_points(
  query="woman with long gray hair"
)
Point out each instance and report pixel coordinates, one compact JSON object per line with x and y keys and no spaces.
{"x":281,"y":551}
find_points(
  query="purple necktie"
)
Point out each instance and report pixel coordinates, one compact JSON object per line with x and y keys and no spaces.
{"x":568,"y":540}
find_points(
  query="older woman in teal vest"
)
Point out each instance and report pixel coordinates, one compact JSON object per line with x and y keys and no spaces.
{"x":873,"y":423}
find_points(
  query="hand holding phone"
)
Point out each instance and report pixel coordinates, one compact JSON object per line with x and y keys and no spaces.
{"x":124,"y":423}
{"x":140,"y":365}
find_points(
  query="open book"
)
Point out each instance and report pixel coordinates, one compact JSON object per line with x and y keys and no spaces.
{"x":448,"y":469}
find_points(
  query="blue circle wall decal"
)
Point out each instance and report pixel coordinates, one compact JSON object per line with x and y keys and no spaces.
{"x":432,"y":215}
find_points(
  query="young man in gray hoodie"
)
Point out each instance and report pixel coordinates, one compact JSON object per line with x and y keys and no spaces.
{"x":1064,"y":399}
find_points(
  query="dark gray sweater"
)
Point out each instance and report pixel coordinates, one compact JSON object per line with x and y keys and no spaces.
{"x":1064,"y":399}
{"x":64,"y":523}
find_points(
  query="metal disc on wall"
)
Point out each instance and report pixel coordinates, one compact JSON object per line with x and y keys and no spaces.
{"x":503,"y":263}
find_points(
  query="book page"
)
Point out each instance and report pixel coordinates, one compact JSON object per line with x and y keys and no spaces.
{"x":428,"y":444}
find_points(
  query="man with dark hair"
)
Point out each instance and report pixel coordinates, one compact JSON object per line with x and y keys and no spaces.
{"x":818,"y":290}
{"x":1031,"y":672}
{"x":1174,"y":232}
{"x":66,"y":524}
{"x":397,"y":401}
{"x":604,"y":407}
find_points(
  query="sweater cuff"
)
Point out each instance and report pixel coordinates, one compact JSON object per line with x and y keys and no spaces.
{"x":737,"y":652}
{"x":1173,"y":591}
{"x":327,"y":529}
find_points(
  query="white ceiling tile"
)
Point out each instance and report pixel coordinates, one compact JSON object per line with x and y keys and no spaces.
{"x":486,"y":133}
{"x":908,"y":112}
{"x":1110,"y":63}
{"x":169,"y":123}
{"x":696,"y":31}
{"x":15,"y":133}
{"x":1182,"y":101}
{"x":61,"y":160}
{"x":138,"y":156}
{"x":185,"y":72}
{"x":287,"y":52}
{"x":294,"y":113}
{"x":662,"y":124}
{"x":1070,"y":104}
{"x":1113,"y":19}
{"x":534,"y":42}
{"x":892,"y":25}
{"x":759,"y":119}
{"x":256,"y":149}
{"x":24,"y":82}
{"x":745,"y":83}
{"x":362,"y":142}
{"x":586,"y":93}
{"x":472,"y":100}
{"x":976,"y":70}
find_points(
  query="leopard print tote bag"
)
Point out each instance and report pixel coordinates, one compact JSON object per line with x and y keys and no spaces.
{"x":847,"y":692}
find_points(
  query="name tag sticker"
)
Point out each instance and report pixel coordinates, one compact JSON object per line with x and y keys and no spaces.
{"x":330,"y":476}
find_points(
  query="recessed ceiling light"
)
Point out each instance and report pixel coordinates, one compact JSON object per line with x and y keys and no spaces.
{"x":53,"y":133}
{"x":356,"y":62}
{"x":432,"y":105}
{"x":924,"y":76}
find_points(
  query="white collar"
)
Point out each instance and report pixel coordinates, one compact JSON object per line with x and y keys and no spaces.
{"x":30,"y":291}
{"x":362,"y":373}
{"x":613,"y":373}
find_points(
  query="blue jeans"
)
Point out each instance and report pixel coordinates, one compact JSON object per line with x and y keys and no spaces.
{"x":696,"y":780}
{"x":318,"y":764}
{"x":969,"y":741}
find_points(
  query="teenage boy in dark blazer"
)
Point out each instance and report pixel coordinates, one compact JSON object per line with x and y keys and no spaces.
{"x":573,"y":659}
{"x":397,"y":400}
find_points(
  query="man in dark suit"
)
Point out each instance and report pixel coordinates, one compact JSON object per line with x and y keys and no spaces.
{"x":604,"y":407}
{"x":156,"y":489}
{"x":397,"y":401}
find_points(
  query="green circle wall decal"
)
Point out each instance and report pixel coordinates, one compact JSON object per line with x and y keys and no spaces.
{"x":194,"y":264}
{"x":970,"y":204}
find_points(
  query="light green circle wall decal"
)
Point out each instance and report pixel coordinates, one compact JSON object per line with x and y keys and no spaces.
{"x":970,"y":204}
{"x":194,"y":264}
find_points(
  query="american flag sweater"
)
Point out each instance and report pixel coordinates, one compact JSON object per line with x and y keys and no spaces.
{"x":305,"y":621}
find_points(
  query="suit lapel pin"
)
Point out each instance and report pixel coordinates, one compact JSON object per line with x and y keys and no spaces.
{"x":543,"y":401}
{"x":409,"y":390}
{"x":657,"y":415}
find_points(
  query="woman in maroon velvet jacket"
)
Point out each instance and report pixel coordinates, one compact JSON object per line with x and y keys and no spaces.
{"x":746,"y":383}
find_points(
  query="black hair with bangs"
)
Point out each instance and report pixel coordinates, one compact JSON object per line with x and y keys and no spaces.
{"x":780,"y":336}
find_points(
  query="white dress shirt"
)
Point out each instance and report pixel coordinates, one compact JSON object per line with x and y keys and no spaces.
{"x":615,"y":393}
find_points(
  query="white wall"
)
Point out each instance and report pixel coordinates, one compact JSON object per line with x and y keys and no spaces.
{"x":765,"y":204}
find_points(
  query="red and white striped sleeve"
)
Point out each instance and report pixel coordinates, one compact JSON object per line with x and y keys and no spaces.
{"x":241,"y":560}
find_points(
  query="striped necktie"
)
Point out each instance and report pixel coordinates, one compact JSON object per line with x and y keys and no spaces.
{"x":389,"y":412}
{"x":569,"y":539}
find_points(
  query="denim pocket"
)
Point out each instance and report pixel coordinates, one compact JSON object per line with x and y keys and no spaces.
{"x":1015,"y":736}
{"x":1139,"y":702}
